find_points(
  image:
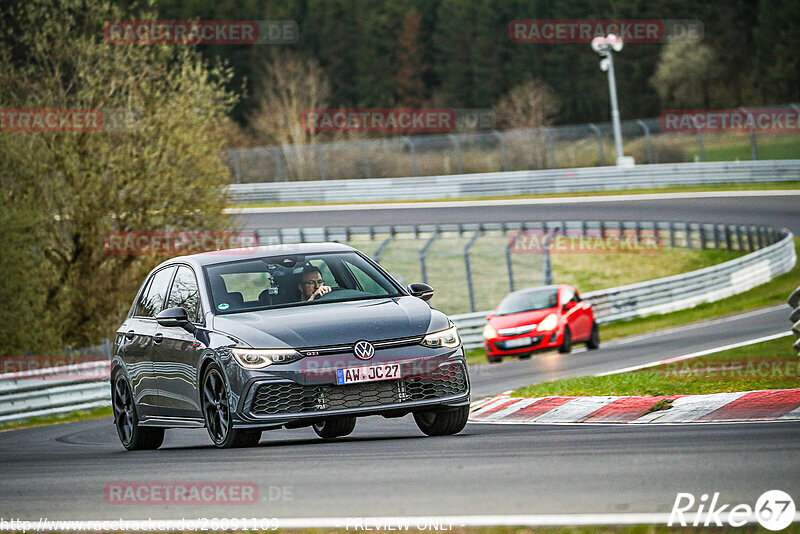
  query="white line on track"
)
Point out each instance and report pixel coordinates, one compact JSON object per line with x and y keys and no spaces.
{"x":697,"y":354}
{"x":699,"y":324}
{"x":512,"y":201}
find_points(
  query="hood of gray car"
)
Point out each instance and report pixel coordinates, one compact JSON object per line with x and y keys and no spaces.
{"x":334,"y":323}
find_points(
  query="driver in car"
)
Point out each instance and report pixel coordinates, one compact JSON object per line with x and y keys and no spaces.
{"x":311,"y":285}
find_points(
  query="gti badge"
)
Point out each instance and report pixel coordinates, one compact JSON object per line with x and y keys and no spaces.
{"x":364,"y":350}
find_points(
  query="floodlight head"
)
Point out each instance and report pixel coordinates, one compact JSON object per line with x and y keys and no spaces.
{"x":614,"y":41}
{"x":604,"y":64}
{"x":599,"y":43}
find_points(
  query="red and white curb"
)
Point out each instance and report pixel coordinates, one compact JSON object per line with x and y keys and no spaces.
{"x":763,"y":405}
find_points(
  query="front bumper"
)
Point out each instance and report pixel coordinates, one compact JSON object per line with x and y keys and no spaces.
{"x":541,"y":342}
{"x":311,"y":393}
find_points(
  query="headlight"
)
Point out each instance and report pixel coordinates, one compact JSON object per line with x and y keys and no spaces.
{"x":489,"y":332}
{"x":549,"y":323}
{"x":444,"y":338}
{"x":260,"y":358}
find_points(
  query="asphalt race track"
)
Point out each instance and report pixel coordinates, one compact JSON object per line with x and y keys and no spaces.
{"x":387,"y":467}
{"x":779,"y":211}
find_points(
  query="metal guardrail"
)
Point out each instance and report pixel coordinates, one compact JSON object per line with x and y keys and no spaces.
{"x":672,"y":293}
{"x":794,"y":302}
{"x":66,"y":389}
{"x":519,"y":182}
{"x":54,"y":390}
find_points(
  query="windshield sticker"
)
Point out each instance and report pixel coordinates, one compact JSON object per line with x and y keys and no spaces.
{"x":223,"y":306}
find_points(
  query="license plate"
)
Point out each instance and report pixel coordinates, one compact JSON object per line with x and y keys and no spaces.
{"x":369,"y":373}
{"x":519,"y":342}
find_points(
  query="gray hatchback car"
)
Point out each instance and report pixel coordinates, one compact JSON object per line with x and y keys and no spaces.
{"x":241,"y":341}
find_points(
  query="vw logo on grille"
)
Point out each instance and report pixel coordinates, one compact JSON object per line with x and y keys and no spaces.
{"x":364,"y":350}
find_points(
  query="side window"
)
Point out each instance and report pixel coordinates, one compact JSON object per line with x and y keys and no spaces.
{"x":325,"y":271}
{"x":153,"y":299}
{"x":566,"y":296}
{"x":366,"y":282}
{"x":186,"y":294}
{"x":137,"y":305}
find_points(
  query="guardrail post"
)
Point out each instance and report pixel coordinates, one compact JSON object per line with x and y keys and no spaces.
{"x":750,"y":238}
{"x":382,"y":248}
{"x":469,"y":270}
{"x":551,"y":149}
{"x":702,"y":229}
{"x":672,"y":234}
{"x":510,"y":264}
{"x":321,"y":164}
{"x":424,"y":253}
{"x":504,"y":166}
{"x":237,"y":167}
{"x":728,"y":237}
{"x":701,"y":149}
{"x":648,"y":143}
{"x":280,"y":168}
{"x":752,"y":135}
{"x":412,"y":150}
{"x":367,"y":162}
{"x":459,"y":160}
{"x":547,"y":267}
{"x":688,"y":235}
{"x":601,"y":150}
{"x":716,"y":235}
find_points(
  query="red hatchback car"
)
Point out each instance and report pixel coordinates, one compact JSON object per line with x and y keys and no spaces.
{"x":537,"y":319}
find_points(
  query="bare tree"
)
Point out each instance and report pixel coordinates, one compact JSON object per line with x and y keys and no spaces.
{"x":531,"y":104}
{"x":289,"y":85}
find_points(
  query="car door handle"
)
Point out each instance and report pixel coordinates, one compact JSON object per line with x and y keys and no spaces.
{"x":158,"y":338}
{"x":130,"y":334}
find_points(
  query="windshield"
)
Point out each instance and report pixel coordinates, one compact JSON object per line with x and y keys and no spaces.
{"x":280,"y":281}
{"x":539,"y":299}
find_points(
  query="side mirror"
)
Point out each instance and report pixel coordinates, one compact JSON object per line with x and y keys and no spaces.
{"x":422,"y":291}
{"x":172,"y":317}
{"x":569,"y":305}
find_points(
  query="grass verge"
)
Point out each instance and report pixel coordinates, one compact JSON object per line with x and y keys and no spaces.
{"x":79,"y":415}
{"x":767,"y":365}
{"x":776,"y":291}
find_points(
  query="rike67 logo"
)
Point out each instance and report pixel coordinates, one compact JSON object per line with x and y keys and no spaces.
{"x":774,"y":510}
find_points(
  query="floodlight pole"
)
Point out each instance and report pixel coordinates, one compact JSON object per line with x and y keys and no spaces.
{"x":612,"y":88}
{"x":606,"y":46}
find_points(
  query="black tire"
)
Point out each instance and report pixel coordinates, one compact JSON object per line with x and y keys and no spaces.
{"x":525,"y":357}
{"x":335,"y":428}
{"x":594,"y":338}
{"x":133,"y":436}
{"x":442,"y":423}
{"x":217,"y":413}
{"x":494,"y":359}
{"x":566,"y":343}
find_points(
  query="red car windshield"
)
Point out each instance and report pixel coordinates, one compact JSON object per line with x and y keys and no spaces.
{"x":538,"y":299}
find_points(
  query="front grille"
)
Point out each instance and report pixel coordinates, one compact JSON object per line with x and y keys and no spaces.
{"x":291,"y":398}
